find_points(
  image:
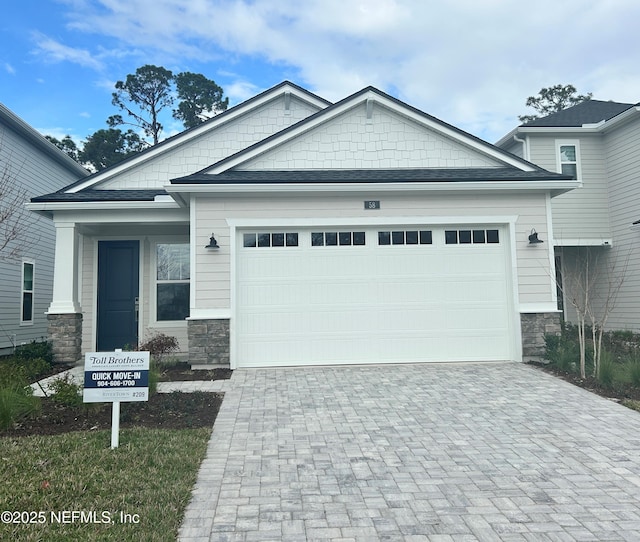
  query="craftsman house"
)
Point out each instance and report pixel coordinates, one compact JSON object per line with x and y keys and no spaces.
{"x":29,"y":165}
{"x":289,"y":230}
{"x":597,"y":143}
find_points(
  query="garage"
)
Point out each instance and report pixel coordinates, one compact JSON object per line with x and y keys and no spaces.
{"x":382,"y":294}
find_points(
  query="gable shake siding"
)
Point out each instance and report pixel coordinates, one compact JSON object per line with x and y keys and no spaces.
{"x":214,"y":146}
{"x":352,"y":141}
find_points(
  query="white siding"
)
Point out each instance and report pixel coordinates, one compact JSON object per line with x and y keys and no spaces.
{"x":623,"y":162}
{"x":581,"y":214}
{"x":36,"y":172}
{"x":213,"y":270}
{"x":213,"y":146}
{"x":387,"y":140}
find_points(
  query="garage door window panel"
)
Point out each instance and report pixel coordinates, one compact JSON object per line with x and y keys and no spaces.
{"x":276,"y":239}
{"x":405,"y":237}
{"x":343,"y":238}
{"x":471,"y":237}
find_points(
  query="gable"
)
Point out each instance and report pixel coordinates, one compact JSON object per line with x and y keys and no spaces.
{"x":370,"y":137}
{"x":214,"y":145}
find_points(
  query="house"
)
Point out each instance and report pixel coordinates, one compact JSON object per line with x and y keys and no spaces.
{"x":289,"y":230}
{"x":29,"y":165}
{"x":597,"y":143}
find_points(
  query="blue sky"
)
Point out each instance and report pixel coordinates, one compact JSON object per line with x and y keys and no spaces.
{"x":471,"y":63}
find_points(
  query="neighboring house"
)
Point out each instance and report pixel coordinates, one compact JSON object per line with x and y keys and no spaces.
{"x":31,"y":165}
{"x":598,"y":143}
{"x":289,"y":231}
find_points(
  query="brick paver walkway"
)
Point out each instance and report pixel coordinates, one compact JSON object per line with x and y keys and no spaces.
{"x":459,"y":452}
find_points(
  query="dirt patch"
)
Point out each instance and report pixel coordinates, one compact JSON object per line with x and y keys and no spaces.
{"x":182,"y":371}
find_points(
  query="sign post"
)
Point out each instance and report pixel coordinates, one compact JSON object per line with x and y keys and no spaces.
{"x":115,"y":377}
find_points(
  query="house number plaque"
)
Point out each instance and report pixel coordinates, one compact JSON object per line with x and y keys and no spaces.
{"x":372,"y":204}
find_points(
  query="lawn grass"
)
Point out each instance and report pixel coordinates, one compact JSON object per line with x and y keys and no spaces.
{"x":149,"y":477}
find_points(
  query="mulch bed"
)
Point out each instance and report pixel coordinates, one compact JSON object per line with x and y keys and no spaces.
{"x":618,"y":393}
{"x":163,"y":410}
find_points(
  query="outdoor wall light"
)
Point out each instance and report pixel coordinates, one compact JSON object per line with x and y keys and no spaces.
{"x":533,"y":238}
{"x":213,"y":244}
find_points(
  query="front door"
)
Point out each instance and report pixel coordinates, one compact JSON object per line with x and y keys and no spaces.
{"x":118,"y":272}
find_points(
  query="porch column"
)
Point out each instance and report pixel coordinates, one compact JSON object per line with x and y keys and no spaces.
{"x":64,"y":314}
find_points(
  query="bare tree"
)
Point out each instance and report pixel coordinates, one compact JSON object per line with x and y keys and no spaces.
{"x":592,"y":286}
{"x":15,"y":219}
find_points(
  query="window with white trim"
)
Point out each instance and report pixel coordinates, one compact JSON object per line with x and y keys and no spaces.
{"x":27,"y":292}
{"x":568,"y":154}
{"x":172,"y":281}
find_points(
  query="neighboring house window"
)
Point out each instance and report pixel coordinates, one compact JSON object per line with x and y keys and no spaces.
{"x":172,"y":282}
{"x":568,"y":154}
{"x":27,"y":292}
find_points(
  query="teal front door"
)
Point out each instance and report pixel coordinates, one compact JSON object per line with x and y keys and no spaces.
{"x":118,"y":283}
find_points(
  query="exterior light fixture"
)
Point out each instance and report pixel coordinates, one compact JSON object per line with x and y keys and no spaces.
{"x":533,"y":238}
{"x":213,"y":244}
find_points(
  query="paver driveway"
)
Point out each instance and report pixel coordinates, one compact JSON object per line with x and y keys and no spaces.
{"x":416,"y":452}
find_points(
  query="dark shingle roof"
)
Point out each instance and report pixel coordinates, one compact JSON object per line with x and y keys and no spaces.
{"x":101,"y":195}
{"x":588,"y":112}
{"x":370,"y":176}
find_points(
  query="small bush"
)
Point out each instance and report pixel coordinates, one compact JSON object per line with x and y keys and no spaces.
{"x":633,"y":367}
{"x":16,"y":402}
{"x":607,"y":371}
{"x":34,"y":350}
{"x":159,"y":346}
{"x":66,"y":392}
{"x":563,"y":352}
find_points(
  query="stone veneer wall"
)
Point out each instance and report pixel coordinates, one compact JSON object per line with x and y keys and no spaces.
{"x":208,"y":342}
{"x":534,"y":328}
{"x":65,"y":334}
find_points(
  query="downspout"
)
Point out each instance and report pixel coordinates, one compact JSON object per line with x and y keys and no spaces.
{"x":525,"y":148}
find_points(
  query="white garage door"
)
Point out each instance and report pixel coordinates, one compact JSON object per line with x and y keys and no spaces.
{"x":372,"y":295}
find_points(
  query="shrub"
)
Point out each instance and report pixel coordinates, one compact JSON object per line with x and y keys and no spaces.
{"x":633,"y":365}
{"x":607,"y":372}
{"x":562,"y":351}
{"x":17,"y":403}
{"x":159,"y":345}
{"x":34,"y":350}
{"x":66,"y":392}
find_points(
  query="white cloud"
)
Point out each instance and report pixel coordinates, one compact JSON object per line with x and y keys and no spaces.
{"x":57,"y":52}
{"x":9,"y":68}
{"x":470,"y":63}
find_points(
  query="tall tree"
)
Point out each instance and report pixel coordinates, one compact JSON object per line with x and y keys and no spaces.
{"x":148,"y":91}
{"x":66,"y":145}
{"x":105,"y":148}
{"x":552,"y":99}
{"x":200,"y":99}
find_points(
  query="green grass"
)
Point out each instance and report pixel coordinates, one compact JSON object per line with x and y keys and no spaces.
{"x":150,"y":475}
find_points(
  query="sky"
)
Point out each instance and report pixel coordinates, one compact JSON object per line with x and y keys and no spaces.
{"x":471,"y":63}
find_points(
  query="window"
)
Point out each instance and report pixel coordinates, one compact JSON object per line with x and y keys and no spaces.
{"x":251,"y":240}
{"x":567,"y":153}
{"x":402,"y":237}
{"x":27,"y":292}
{"x":337,"y":238}
{"x":469,"y":237}
{"x":172,"y":282}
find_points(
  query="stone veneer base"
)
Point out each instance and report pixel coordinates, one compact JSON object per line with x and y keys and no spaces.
{"x":208,"y":342}
{"x":65,"y":334}
{"x":534,"y":327}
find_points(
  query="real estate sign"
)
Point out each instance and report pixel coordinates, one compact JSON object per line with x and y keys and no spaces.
{"x":116,"y":376}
